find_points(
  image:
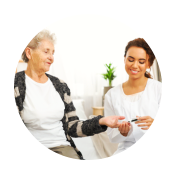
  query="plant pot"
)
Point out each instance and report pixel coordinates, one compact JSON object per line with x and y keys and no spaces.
{"x":106,"y":89}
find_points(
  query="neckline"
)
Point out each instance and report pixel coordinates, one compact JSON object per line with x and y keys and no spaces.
{"x":143,"y":92}
{"x":130,"y":94}
{"x":37,"y":83}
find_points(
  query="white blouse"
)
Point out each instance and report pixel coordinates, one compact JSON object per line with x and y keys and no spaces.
{"x":43,"y":111}
{"x":145,"y":103}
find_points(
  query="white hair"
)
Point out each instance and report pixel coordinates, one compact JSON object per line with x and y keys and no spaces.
{"x":34,"y":43}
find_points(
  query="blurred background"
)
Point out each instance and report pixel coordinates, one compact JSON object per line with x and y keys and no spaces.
{"x":84,"y":44}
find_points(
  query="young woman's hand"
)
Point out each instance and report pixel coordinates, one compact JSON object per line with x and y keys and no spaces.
{"x":111,"y":121}
{"x":147,"y":120}
{"x":124,"y":128}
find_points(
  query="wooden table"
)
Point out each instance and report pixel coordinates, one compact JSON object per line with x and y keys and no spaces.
{"x":98,"y":110}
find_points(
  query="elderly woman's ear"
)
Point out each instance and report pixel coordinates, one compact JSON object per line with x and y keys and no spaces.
{"x":28,"y":52}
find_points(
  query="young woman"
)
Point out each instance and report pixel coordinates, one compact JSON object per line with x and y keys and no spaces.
{"x":137,"y":98}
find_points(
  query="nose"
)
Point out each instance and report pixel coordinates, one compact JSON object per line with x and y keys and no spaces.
{"x":51,"y":57}
{"x":135,"y":64}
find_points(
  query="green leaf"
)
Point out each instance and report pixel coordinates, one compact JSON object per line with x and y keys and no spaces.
{"x":110,"y":73}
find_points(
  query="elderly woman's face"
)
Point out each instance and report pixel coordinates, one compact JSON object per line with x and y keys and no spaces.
{"x":42,"y":56}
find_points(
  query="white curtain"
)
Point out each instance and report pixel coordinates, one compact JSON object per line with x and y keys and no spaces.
{"x":156,"y":71}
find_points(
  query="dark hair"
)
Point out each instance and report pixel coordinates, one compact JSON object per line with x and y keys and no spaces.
{"x":141,"y":43}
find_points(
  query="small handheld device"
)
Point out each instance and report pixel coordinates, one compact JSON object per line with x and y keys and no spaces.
{"x":133,"y":120}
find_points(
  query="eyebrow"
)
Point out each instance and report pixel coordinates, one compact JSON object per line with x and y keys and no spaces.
{"x":134,"y":58}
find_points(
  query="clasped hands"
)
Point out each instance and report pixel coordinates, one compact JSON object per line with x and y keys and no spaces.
{"x":124,"y":127}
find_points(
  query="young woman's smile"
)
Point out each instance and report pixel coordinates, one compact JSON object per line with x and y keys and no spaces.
{"x":134,"y":71}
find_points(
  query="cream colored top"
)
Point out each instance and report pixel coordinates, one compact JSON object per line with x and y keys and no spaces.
{"x":131,"y":98}
{"x":145,"y":103}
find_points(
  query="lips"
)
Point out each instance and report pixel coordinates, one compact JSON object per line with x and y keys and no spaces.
{"x":48,"y":63}
{"x":134,"y":71}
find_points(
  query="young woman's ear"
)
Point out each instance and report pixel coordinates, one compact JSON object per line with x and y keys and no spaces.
{"x":148,"y":66}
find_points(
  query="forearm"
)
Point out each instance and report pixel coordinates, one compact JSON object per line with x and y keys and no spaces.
{"x":86,"y":128}
{"x":74,"y":126}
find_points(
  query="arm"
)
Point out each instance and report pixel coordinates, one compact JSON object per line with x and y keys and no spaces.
{"x":19,"y":91}
{"x":16,"y":95}
{"x":16,"y":91}
{"x":146,"y":121}
{"x":75,"y":127}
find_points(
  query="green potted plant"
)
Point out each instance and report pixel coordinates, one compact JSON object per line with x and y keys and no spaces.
{"x":109,"y":75}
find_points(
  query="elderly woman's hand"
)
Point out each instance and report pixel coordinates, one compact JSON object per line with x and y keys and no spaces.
{"x":147,"y":120}
{"x":111,"y":121}
{"x":124,"y":128}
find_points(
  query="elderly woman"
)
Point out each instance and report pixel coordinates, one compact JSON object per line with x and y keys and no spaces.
{"x":44,"y":102}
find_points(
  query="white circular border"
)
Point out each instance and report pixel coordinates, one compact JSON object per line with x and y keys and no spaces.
{"x":88,"y":8}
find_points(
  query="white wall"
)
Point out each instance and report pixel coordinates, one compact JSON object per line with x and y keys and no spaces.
{"x":84,"y":44}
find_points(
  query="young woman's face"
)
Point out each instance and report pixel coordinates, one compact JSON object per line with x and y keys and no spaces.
{"x":136,"y":62}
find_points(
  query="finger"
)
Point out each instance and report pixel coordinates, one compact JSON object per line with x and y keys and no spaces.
{"x":129,"y":127}
{"x":144,"y":118}
{"x":137,"y":117}
{"x":137,"y":122}
{"x":122,"y":129}
{"x":144,"y":121}
{"x":126,"y":127}
{"x":142,"y":125}
{"x":145,"y":128}
{"x":120,"y":117}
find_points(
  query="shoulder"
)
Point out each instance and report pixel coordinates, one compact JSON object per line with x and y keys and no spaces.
{"x":55,"y":79}
{"x":154,"y":84}
{"x":154,"y":89}
{"x":114,"y":90}
{"x":58,"y":83}
{"x":51,"y":77}
{"x":19,"y":74}
{"x":19,"y":78}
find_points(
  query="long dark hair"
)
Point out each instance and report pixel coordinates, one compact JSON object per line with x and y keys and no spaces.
{"x":140,"y":42}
